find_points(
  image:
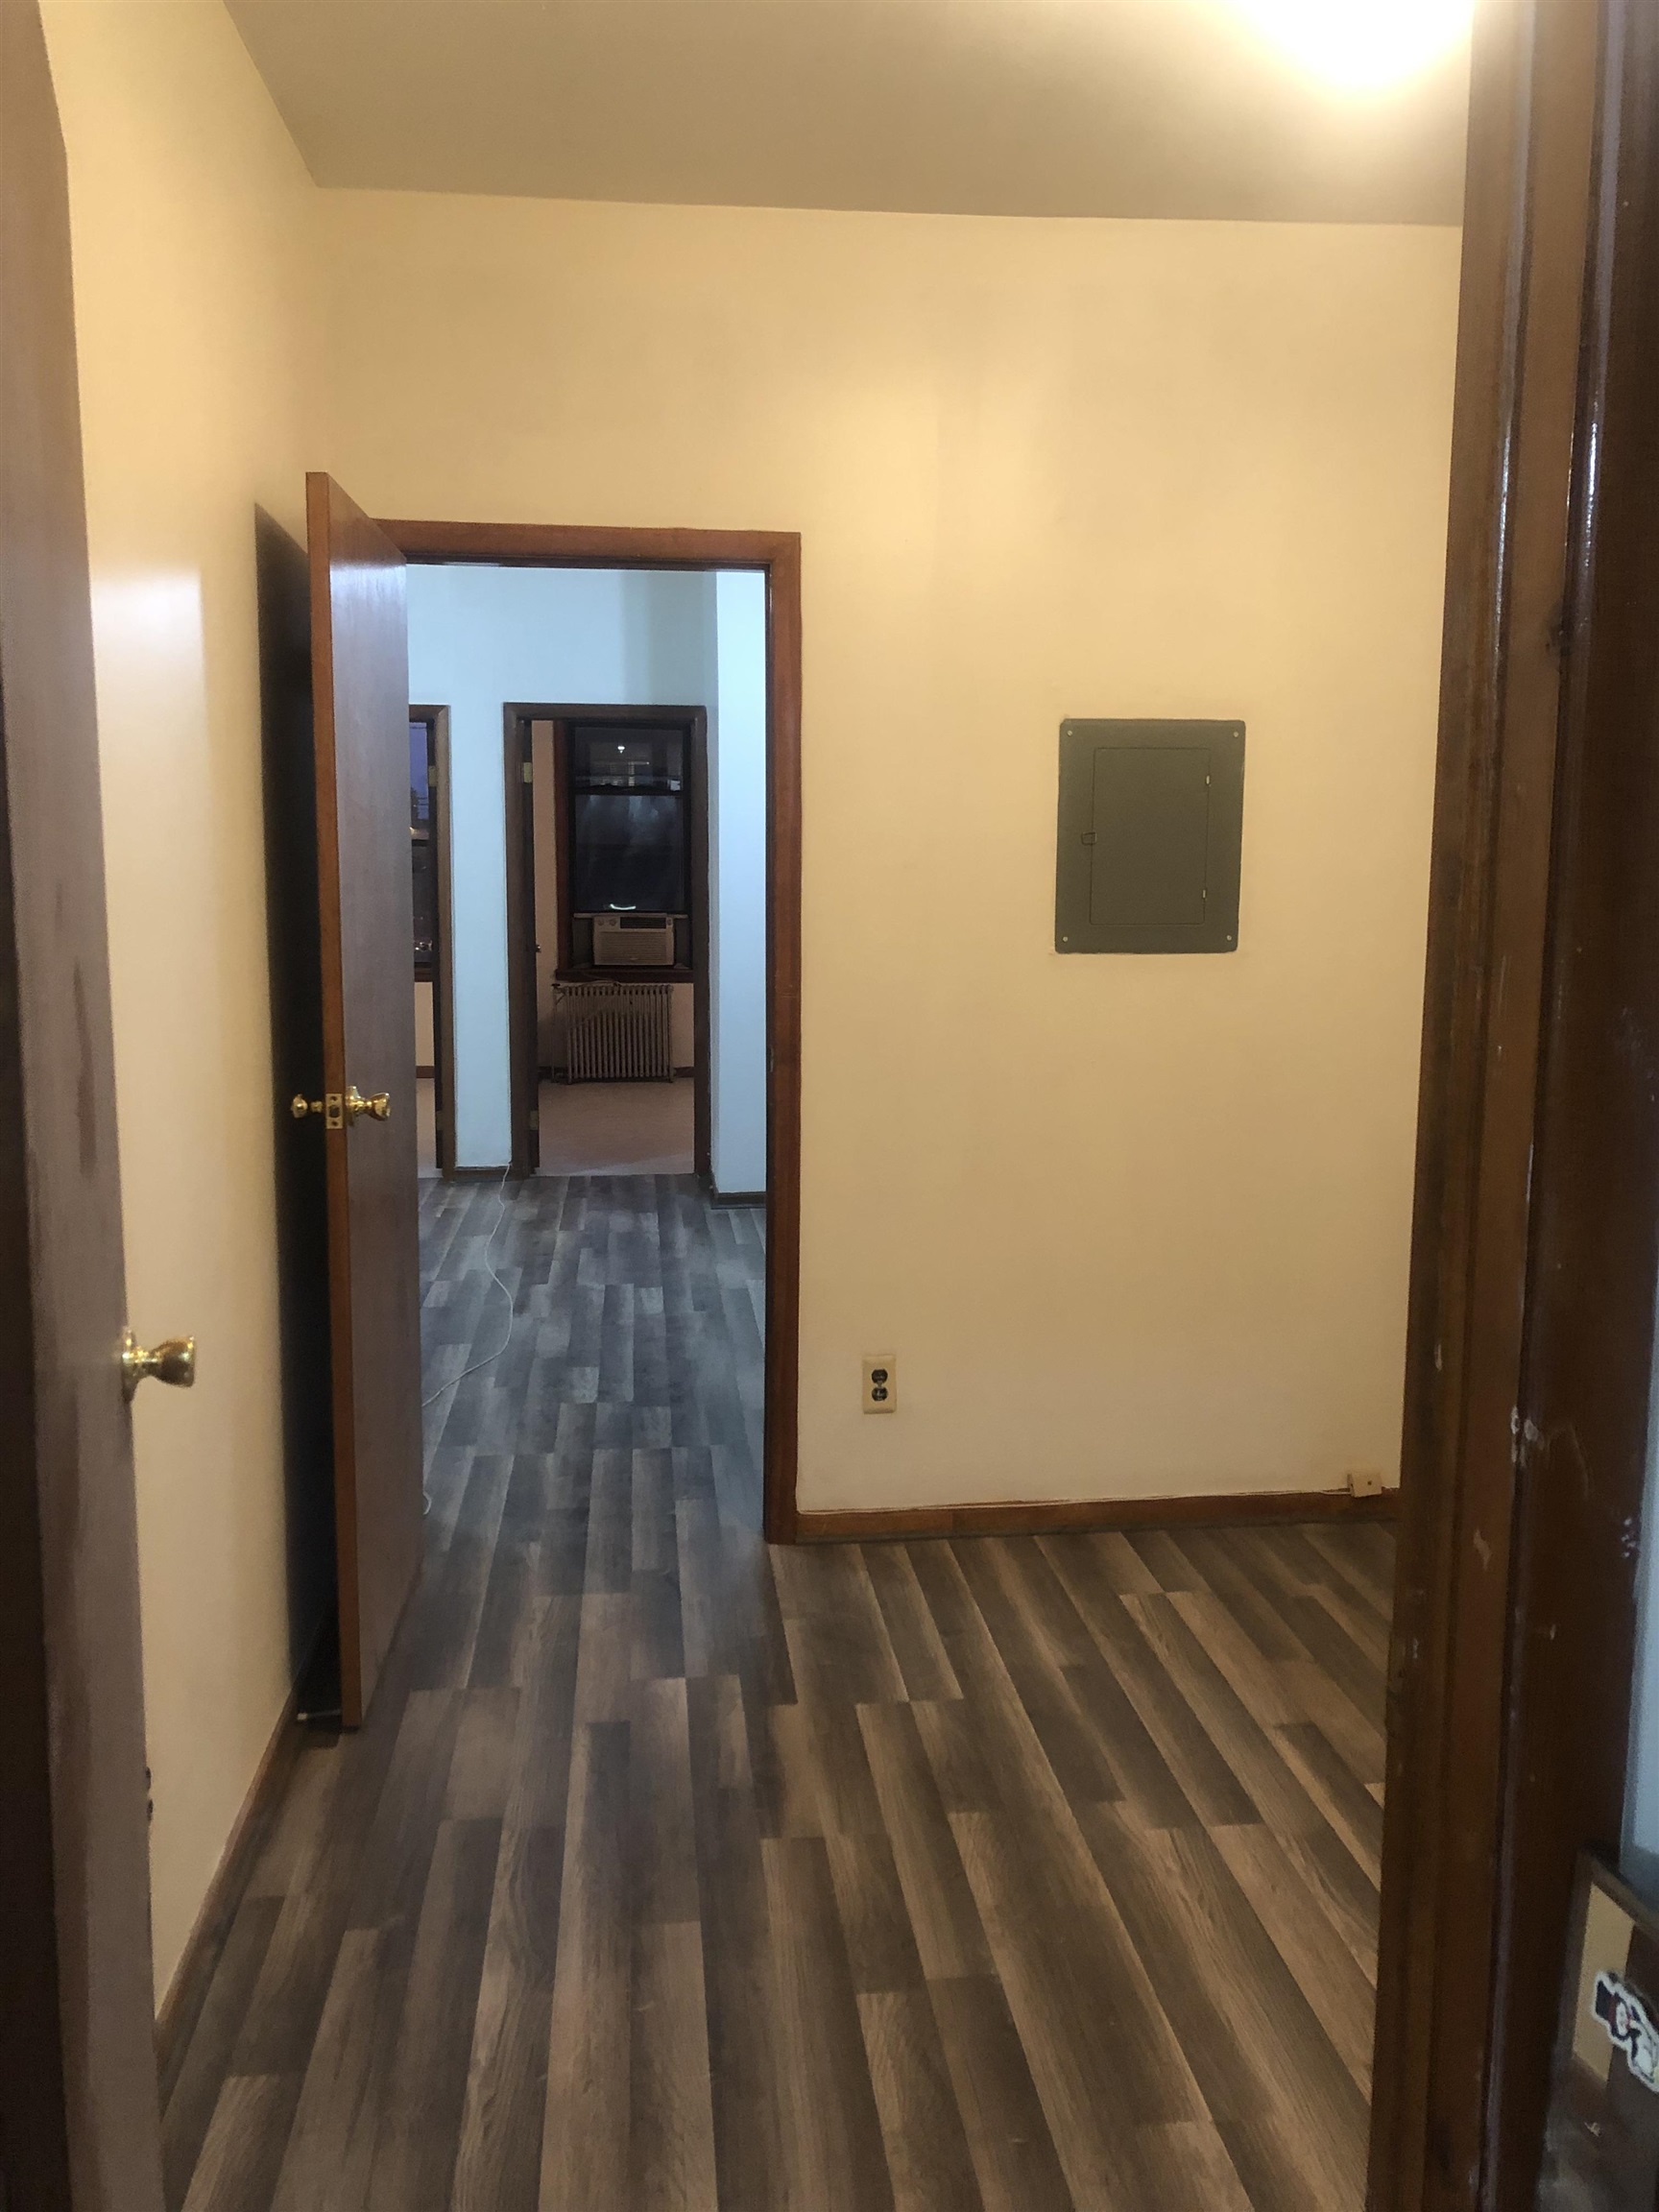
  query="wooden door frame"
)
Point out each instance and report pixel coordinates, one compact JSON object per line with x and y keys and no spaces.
{"x":436,"y":721}
{"x":776,"y":554}
{"x":1536,"y":1234}
{"x":522,"y":1002}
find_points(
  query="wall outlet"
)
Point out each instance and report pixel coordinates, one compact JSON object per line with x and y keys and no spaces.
{"x":880,"y":1383}
{"x":1365,"y":1482}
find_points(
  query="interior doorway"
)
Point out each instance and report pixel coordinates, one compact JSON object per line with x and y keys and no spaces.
{"x":608,"y":939}
{"x":761,"y":1127}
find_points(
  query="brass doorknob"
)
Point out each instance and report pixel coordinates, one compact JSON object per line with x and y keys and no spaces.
{"x":172,"y":1360}
{"x":378,"y":1107}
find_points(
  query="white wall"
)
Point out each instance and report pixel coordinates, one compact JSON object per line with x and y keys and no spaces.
{"x":480,"y":637}
{"x":737,"y":871}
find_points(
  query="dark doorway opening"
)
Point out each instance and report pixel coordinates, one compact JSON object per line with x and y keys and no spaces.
{"x":640,"y":851}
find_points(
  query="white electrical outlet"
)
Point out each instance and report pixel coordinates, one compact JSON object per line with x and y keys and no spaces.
{"x":1365,"y":1482}
{"x":880,"y":1383}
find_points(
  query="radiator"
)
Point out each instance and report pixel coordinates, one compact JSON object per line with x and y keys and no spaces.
{"x":616,"y":1032}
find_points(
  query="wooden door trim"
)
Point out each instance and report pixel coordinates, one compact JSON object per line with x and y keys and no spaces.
{"x":577,"y":545}
{"x":523,"y":1054}
{"x":317,"y":517}
{"x":693,"y":723}
{"x":777,"y":554}
{"x":1451,"y":1970}
{"x":436,"y":721}
{"x":1593,"y":1301}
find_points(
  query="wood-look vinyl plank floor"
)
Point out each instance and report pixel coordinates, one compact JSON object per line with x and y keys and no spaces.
{"x":674,"y":1874}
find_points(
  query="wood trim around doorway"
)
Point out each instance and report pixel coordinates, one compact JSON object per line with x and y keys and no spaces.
{"x":1042,"y":1517}
{"x":1535,"y":1249}
{"x":777,"y":555}
{"x":436,"y":721}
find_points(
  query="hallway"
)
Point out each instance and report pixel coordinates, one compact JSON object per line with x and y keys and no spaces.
{"x":668,"y":1872}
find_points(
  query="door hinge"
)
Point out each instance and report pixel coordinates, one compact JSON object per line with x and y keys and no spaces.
{"x":535,"y":1121}
{"x":527,"y":770}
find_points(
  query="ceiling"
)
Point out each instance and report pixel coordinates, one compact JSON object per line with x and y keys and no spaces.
{"x":1126,"y":107}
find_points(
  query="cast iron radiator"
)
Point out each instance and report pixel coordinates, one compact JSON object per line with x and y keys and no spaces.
{"x":616,"y":1032}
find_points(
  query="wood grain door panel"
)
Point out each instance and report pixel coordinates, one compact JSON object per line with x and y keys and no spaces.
{"x":79,"y":2124}
{"x":360,"y":676}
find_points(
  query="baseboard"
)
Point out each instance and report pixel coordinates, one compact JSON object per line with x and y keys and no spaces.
{"x":728,"y":1197}
{"x":864,"y":1526}
{"x":186,"y":1993}
{"x":478,"y":1175}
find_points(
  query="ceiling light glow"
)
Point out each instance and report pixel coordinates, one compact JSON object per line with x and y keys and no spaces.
{"x":1363,"y":43}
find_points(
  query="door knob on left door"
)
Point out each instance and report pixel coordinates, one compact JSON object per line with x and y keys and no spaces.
{"x":172,"y":1360}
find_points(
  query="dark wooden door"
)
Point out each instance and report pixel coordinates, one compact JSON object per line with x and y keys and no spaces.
{"x":360,"y":680}
{"x":78,"y":2106}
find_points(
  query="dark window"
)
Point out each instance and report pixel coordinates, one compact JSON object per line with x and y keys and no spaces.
{"x":630,"y":822}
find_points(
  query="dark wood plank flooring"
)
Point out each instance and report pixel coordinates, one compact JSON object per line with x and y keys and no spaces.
{"x":668,"y":1872}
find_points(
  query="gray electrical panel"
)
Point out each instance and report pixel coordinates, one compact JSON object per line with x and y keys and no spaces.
{"x":1151,"y":819}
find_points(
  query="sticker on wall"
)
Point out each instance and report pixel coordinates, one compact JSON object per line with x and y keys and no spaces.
{"x":1602,"y":2142}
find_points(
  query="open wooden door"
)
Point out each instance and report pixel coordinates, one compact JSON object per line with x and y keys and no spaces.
{"x":364,"y":1113}
{"x":79,"y":2124}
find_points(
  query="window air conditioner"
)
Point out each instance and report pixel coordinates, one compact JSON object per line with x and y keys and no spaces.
{"x":633,"y":940}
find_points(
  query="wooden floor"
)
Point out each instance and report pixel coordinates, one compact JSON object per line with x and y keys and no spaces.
{"x":1017,"y":1874}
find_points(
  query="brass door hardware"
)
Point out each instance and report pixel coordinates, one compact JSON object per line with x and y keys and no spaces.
{"x":337,"y":1111}
{"x":172,"y":1360}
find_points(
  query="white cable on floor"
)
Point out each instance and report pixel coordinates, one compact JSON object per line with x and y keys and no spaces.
{"x":479,"y":1365}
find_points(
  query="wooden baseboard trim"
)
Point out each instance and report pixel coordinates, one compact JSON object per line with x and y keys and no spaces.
{"x":478,"y":1175}
{"x":187,"y":1992}
{"x":1039,"y":1516}
{"x":728,"y":1197}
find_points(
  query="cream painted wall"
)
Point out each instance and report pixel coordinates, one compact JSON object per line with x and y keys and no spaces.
{"x":192,"y":273}
{"x":1133,"y":1227}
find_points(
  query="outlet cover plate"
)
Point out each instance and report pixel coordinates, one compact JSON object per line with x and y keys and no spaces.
{"x":880,"y":1383}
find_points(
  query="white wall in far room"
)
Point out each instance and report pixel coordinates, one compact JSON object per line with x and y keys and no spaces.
{"x":737,"y":872}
